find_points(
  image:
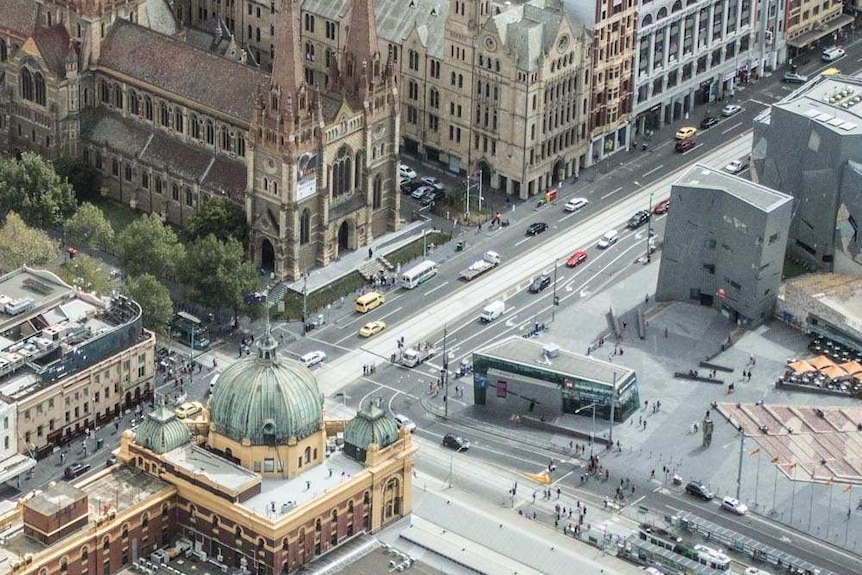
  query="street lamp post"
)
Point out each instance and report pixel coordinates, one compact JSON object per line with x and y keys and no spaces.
{"x":304,"y":302}
{"x":445,"y":375}
{"x":556,"y":301}
{"x":593,"y":428}
{"x":649,"y":229}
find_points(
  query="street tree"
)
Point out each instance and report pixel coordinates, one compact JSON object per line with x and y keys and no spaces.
{"x":20,"y":244}
{"x":32,"y":188}
{"x":220,"y":217}
{"x":156,"y":306}
{"x":149,"y":246}
{"x":85,"y":179}
{"x":215,"y":274}
{"x":89,"y":227}
{"x":86,"y":273}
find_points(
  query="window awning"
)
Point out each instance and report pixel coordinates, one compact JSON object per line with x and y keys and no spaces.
{"x":809,"y":37}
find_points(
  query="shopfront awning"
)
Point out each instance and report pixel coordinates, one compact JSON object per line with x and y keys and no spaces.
{"x":13,"y":466}
{"x":808,"y":38}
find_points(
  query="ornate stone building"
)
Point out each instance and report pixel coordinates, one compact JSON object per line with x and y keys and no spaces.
{"x":259,"y":486}
{"x":121,"y":84}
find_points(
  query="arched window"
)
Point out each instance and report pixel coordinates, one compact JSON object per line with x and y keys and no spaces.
{"x":4,"y":54}
{"x":39,"y":85}
{"x":134,"y":108}
{"x":215,"y":522}
{"x":307,"y":456}
{"x":305,"y":226}
{"x":164,"y":115}
{"x":104,"y":93}
{"x":210,"y":133}
{"x":145,"y":520}
{"x":148,"y":108}
{"x":225,"y":139}
{"x":106,"y":543}
{"x":85,"y":554}
{"x":260,"y":543}
{"x":115,"y":167}
{"x":662,"y":13}
{"x":317,"y":525}
{"x":240,"y":145}
{"x":377,"y":192}
{"x":64,"y":565}
{"x":350,"y":506}
{"x":178,"y":120}
{"x":118,"y":97}
{"x":26,"y":81}
{"x":341,"y":172}
{"x":196,"y":127}
{"x":238,"y":532}
{"x":647,"y":20}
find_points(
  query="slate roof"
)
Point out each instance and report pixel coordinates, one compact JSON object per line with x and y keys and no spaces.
{"x":53,"y":44}
{"x":181,"y":69}
{"x":155,"y":148}
{"x":160,"y":17}
{"x":18,"y":16}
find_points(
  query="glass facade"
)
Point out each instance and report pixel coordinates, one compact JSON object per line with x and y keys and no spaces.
{"x":575,"y":392}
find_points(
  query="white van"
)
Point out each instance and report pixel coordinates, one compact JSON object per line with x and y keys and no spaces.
{"x":609,"y":239}
{"x":492,"y":311}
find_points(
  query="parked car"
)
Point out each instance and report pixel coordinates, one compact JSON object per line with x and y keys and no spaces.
{"x":409,"y":187}
{"x":576,"y":204}
{"x":406,"y":171}
{"x":683,"y":146}
{"x":111,"y":460}
{"x":730,"y":110}
{"x":404,"y":421}
{"x":312,"y":358}
{"x":661,"y":207}
{"x":188,"y":409}
{"x":433,"y":182}
{"x":420,"y":192}
{"x":76,"y":470}
{"x":639,"y":219}
{"x":540,"y":283}
{"x":686,"y":133}
{"x":577,"y":258}
{"x":455,"y":442}
{"x":537,"y":228}
{"x":699,"y":490}
{"x":708,"y":122}
{"x":792,"y":77}
{"x":832,"y":53}
{"x":735,"y":167}
{"x":372,"y":328}
{"x":734,"y":506}
{"x":433,"y":196}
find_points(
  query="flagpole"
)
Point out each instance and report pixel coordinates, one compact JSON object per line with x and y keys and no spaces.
{"x":849,"y":509}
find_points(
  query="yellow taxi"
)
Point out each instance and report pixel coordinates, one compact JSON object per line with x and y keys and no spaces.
{"x":830,"y":72}
{"x":686,"y":133}
{"x":372,"y":328}
{"x":188,"y":409}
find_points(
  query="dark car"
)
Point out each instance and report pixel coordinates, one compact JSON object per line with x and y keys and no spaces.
{"x":410,"y":187}
{"x":76,"y":470}
{"x":699,"y":490}
{"x":455,"y":442}
{"x":794,"y":77}
{"x":685,"y":145}
{"x":708,"y":122}
{"x":540,"y":283}
{"x":638,"y":219}
{"x":112,"y":460}
{"x":537,"y":228}
{"x":433,"y":196}
{"x":661,"y":207}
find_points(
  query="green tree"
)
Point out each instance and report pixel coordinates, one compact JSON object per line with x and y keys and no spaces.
{"x":84,"y":178}
{"x":149,"y":246}
{"x":215,"y":274}
{"x":21,"y":244}
{"x":155,"y":301}
{"x":86,"y":273}
{"x":220,"y":217}
{"x":89,"y":227}
{"x":33,"y":189}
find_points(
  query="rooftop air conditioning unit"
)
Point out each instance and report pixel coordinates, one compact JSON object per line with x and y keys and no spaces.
{"x":551,"y":350}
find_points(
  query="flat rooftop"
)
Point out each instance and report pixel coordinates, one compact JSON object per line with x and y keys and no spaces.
{"x":219,"y":471}
{"x":761,"y":197}
{"x":530,"y":353}
{"x":834,"y":101}
{"x":283,"y":495}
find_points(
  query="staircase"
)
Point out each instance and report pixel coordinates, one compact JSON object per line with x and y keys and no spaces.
{"x":373,"y":268}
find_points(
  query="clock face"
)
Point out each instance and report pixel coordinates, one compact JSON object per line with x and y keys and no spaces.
{"x":270,"y":166}
{"x":490,"y":43}
{"x":563,"y":43}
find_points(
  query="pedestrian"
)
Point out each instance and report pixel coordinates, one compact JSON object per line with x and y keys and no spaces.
{"x":665,"y":332}
{"x":559,"y":492}
{"x":534,"y":496}
{"x":644,"y":423}
{"x":640,"y":420}
{"x":625,"y":324}
{"x":370,"y":253}
{"x":646,"y":299}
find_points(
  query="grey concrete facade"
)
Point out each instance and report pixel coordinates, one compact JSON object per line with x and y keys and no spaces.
{"x":724,"y":244}
{"x":809,"y":145}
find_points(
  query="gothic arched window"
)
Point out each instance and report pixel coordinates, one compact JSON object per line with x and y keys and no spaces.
{"x":39,"y":85}
{"x":341,"y":172}
{"x":377,"y":192}
{"x":26,"y":81}
{"x":305,"y":226}
{"x":118,"y":97}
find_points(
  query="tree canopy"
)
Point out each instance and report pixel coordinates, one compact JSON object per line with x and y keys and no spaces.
{"x":215,"y":274}
{"x":31,"y":188}
{"x":89,"y":227}
{"x":86,"y":273}
{"x":153,"y":297}
{"x":84,"y":178}
{"x":149,"y":246}
{"x":21,"y":244}
{"x":220,"y":217}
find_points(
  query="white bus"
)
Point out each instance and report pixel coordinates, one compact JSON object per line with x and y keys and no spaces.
{"x":418,"y":274}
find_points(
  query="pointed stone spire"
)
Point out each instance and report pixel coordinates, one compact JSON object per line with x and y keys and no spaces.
{"x":362,"y":48}
{"x":267,"y":345}
{"x":287,"y":65}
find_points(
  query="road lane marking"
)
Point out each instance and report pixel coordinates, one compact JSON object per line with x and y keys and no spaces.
{"x":609,"y":194}
{"x":733,"y":127}
{"x":396,"y":310}
{"x":652,"y":171}
{"x":429,"y":292}
{"x":522,"y":241}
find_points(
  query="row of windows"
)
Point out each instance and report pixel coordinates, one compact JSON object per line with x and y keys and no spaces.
{"x":159,"y":187}
{"x":32,"y":86}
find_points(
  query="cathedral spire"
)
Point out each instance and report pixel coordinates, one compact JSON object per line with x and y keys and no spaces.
{"x":287,"y":65}
{"x":362,"y":49}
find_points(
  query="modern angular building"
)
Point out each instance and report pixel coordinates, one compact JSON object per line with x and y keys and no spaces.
{"x":724,"y":244}
{"x":520,"y":375}
{"x":257,"y":484}
{"x":69,"y":361}
{"x":809,"y":145}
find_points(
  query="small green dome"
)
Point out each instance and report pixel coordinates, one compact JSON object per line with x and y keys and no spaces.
{"x":266,"y":399}
{"x":161,"y":431}
{"x":371,"y":425}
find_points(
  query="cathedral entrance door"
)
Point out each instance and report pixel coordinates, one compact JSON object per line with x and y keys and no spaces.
{"x":267,"y":255}
{"x":343,"y":237}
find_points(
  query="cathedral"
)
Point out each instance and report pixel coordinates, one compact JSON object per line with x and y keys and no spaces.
{"x":171,"y":116}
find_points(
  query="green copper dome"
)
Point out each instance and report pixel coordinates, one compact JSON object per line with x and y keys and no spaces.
{"x":266,"y":399}
{"x":371,"y":425}
{"x":161,"y":431}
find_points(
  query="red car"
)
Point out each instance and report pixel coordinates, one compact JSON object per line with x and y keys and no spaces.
{"x":662,"y":207}
{"x":576,"y":258}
